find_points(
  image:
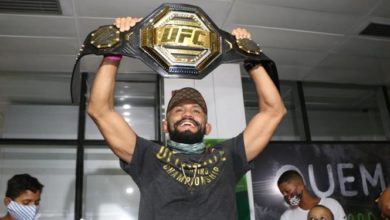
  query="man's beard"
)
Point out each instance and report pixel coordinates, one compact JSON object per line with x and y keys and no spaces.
{"x":186,"y":137}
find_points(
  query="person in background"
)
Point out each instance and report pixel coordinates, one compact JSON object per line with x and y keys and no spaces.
{"x":320,"y":212}
{"x":383,"y":202}
{"x":22,"y":198}
{"x":183,"y":179}
{"x":294,"y":191}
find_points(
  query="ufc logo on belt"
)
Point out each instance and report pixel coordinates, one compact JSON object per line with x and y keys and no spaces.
{"x":183,"y":36}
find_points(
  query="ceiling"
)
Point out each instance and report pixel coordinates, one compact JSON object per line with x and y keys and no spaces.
{"x":310,"y":40}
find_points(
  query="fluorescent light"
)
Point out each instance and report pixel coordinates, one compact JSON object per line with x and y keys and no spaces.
{"x":130,"y":190}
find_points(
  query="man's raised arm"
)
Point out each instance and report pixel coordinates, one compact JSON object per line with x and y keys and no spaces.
{"x":271,"y":112}
{"x":115,"y":130}
{"x":261,"y":127}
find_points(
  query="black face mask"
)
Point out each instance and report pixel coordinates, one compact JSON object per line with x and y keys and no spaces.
{"x":186,"y":137}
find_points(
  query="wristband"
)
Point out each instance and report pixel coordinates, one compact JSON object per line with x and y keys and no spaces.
{"x":250,"y":64}
{"x":113,"y":57}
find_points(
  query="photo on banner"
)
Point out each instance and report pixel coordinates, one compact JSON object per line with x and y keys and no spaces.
{"x":353,"y":174}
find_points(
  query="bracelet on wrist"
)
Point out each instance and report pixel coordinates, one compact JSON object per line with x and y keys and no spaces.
{"x":250,"y":64}
{"x":113,"y":57}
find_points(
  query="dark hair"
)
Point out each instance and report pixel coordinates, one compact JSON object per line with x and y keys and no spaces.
{"x":324,"y":207}
{"x":19,"y":183}
{"x":289,"y":175}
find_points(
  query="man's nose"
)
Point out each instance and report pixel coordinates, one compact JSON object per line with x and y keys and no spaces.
{"x":187,"y":113}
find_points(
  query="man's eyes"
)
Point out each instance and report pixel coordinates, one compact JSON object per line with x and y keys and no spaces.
{"x":178,"y":109}
{"x":197,"y":111}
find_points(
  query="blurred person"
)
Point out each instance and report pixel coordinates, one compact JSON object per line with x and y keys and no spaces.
{"x":22,"y":198}
{"x":320,"y":212}
{"x":300,"y":200}
{"x":383,"y":202}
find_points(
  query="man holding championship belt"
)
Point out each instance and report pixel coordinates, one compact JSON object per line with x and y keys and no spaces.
{"x":183,"y":179}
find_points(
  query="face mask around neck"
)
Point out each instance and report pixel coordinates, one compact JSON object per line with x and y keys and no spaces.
{"x":197,"y":148}
{"x":22,"y":212}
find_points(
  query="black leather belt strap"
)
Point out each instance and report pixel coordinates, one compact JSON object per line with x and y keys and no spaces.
{"x":175,"y":40}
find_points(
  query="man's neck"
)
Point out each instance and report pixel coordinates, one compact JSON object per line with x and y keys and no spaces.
{"x":308,"y":201}
{"x":196,"y":148}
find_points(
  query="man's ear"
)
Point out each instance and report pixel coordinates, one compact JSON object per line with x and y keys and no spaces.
{"x":7,"y":200}
{"x":164,"y":126}
{"x":208,"y":128}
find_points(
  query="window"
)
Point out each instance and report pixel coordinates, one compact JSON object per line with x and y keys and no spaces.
{"x":37,"y":106}
{"x":291,"y":128}
{"x":109,"y":193}
{"x":339,"y":112}
{"x":53,"y":165}
{"x":136,"y":99}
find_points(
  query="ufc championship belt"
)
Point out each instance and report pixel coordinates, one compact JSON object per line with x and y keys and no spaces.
{"x":176,"y":40}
